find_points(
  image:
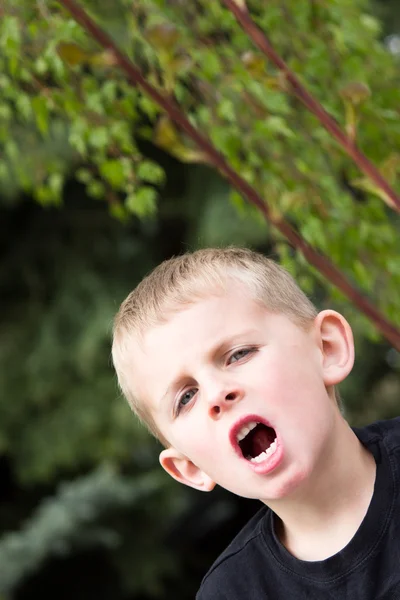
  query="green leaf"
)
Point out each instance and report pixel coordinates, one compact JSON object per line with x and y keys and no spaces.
{"x":24,"y":106}
{"x":151,"y":172}
{"x":96,"y":189}
{"x":55,"y":182}
{"x":99,"y":138}
{"x":143,"y":202}
{"x":226,"y":110}
{"x":109,"y":90}
{"x":40,"y":109}
{"x":5,"y":112}
{"x":113,"y":172}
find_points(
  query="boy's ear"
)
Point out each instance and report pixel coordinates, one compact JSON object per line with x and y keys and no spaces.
{"x":337,"y":345}
{"x":183,"y":470}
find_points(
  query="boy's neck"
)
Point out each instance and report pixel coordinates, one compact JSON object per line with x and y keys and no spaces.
{"x":319,"y":521}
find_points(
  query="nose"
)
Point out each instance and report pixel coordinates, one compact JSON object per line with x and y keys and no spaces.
{"x":222,"y":400}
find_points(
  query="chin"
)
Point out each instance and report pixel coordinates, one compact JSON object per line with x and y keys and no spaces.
{"x":287,"y":486}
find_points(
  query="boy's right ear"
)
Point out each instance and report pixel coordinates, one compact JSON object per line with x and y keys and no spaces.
{"x":185,"y":471}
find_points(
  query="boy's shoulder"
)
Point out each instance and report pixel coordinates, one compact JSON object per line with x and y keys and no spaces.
{"x":250,"y":531}
{"x":386,"y":431}
{"x":243,"y":551}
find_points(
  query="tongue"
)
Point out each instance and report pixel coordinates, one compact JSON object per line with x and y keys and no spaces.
{"x":261,"y":440}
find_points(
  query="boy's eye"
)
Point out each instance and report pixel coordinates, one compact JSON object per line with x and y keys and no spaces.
{"x":185,"y":398}
{"x":239,"y":354}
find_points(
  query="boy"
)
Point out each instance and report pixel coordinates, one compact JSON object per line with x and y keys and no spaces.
{"x":231,"y":367}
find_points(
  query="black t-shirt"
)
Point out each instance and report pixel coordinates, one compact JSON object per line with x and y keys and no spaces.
{"x":256,"y":566}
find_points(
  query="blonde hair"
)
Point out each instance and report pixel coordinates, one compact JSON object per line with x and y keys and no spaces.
{"x":185,"y":279}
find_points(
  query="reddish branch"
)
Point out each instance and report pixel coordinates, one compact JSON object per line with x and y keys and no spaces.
{"x":261,"y":41}
{"x":320,"y":262}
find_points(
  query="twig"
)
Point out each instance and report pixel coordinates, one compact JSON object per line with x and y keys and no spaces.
{"x":320,"y":262}
{"x":43,"y":10}
{"x":261,"y":41}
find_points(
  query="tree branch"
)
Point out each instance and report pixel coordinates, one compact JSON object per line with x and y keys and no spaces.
{"x":261,"y":41}
{"x":320,"y":262}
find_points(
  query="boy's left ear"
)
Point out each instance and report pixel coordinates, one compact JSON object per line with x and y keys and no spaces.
{"x":337,"y":346}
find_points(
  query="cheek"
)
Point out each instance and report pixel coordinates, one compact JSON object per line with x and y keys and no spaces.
{"x":296,"y":371}
{"x":200,"y":446}
{"x":280,"y":374}
{"x":194,"y":440}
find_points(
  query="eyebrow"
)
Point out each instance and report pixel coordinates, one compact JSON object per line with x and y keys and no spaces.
{"x":223,"y":345}
{"x":219,"y":348}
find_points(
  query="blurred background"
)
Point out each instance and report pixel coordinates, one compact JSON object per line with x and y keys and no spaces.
{"x":97,"y":186}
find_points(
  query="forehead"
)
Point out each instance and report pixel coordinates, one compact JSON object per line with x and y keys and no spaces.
{"x":205,"y":320}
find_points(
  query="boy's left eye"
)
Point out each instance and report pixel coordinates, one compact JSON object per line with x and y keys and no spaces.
{"x":239,"y":354}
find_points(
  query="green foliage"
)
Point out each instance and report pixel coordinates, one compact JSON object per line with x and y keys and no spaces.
{"x":65,"y":96}
{"x":56,"y":359}
{"x":70,"y":520}
{"x":56,"y":117}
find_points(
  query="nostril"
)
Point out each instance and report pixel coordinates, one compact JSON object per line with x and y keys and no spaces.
{"x":217,"y":410}
{"x":230,"y":396}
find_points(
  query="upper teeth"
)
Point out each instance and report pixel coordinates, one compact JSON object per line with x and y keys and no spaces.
{"x":245,"y":430}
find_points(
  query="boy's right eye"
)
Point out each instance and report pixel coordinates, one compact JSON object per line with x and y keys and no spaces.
{"x":185,"y":398}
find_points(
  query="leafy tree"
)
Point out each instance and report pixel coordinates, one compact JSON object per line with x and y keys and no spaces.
{"x":70,"y":93}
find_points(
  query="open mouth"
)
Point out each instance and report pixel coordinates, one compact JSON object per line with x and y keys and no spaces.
{"x":257,"y":441}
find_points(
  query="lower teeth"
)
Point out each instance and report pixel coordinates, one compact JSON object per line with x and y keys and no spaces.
{"x":264,"y":455}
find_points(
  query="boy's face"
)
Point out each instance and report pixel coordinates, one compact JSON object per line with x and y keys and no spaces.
{"x":225,"y":363}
